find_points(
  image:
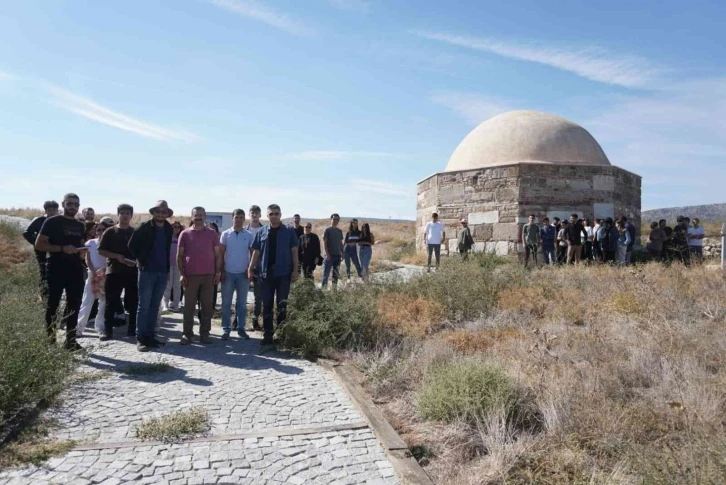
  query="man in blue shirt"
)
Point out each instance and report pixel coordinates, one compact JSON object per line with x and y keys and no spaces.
{"x":236,"y":243}
{"x":275,"y":258}
{"x":547,"y":237}
{"x":150,"y":244}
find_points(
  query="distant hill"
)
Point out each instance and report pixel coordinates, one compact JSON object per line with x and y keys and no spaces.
{"x":707,"y":213}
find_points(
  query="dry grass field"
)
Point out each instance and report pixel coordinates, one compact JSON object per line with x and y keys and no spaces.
{"x":494,"y":374}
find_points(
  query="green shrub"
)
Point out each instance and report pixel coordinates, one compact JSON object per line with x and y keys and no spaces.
{"x":465,"y":388}
{"x":31,"y":370}
{"x":466,"y":289}
{"x":318,"y":320}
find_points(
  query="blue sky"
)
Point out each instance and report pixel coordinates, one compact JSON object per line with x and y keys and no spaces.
{"x":343,"y":105}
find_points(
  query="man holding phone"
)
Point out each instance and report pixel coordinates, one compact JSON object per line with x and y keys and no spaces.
{"x":62,"y":237}
{"x":122,"y":274}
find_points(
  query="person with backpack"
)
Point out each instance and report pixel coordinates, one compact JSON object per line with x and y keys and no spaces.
{"x":464,"y":240}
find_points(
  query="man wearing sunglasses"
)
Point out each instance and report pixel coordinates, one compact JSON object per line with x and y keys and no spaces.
{"x":150,"y":244}
{"x":62,"y":237}
{"x":275,"y":258}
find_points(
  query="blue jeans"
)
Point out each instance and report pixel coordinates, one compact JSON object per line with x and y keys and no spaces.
{"x":152,"y":285}
{"x":549,"y":255}
{"x":351,"y":254}
{"x":274,"y":287}
{"x":366,"y":254}
{"x":240,"y":283}
{"x":331,"y":262}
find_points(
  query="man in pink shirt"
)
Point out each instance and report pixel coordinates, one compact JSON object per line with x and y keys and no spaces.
{"x":199,"y":258}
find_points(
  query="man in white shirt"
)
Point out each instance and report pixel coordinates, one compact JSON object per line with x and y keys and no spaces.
{"x":236,"y":243}
{"x":253,"y":227}
{"x":695,"y":239}
{"x":433,"y":237}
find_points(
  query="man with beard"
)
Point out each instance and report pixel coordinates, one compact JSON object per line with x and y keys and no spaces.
{"x":150,"y":244}
{"x":31,"y":235}
{"x":122,"y":274}
{"x":199,"y":258}
{"x":62,"y":237}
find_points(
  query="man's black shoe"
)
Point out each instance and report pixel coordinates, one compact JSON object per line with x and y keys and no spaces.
{"x":141,"y":346}
{"x":73,"y":346}
{"x":104,"y":337}
{"x":265,"y":342}
{"x":154,"y":344}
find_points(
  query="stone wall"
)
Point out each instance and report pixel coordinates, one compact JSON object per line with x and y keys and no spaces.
{"x":497,"y":200}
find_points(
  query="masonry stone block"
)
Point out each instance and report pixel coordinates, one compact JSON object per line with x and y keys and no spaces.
{"x":501,"y":248}
{"x":451,"y":194}
{"x":483,"y":217}
{"x":603,"y":182}
{"x":505,"y":232}
{"x":482,"y":232}
{"x":479,"y":247}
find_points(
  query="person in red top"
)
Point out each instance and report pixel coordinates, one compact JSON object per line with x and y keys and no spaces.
{"x":199,"y":257}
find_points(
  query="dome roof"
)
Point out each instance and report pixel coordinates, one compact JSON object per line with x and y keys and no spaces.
{"x":526,"y":136}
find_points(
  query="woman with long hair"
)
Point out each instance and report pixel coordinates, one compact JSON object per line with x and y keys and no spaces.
{"x":365,"y":246}
{"x":351,"y":248}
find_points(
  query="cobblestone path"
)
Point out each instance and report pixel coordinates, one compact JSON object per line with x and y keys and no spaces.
{"x":273,"y":419}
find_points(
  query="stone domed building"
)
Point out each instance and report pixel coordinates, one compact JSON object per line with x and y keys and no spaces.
{"x":521,"y":163}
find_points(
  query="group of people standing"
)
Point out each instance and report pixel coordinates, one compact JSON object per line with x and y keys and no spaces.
{"x":574,"y":240}
{"x":588,"y":240}
{"x":134,"y":269}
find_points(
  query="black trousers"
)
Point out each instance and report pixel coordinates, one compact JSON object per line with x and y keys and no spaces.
{"x":308,"y":269}
{"x":128,"y":283}
{"x":68,"y":278}
{"x":42,"y":265}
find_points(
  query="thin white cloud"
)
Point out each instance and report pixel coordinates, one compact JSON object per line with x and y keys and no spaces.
{"x":674,"y":138}
{"x":594,"y":63}
{"x":333,"y":155}
{"x":376,"y":186}
{"x":354,"y":5}
{"x":93,"y":111}
{"x":262,"y":13}
{"x":4,"y":76}
{"x":472,"y":107}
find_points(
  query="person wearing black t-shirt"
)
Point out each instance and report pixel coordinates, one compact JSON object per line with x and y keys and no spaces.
{"x":122,"y":274}
{"x":352,"y":237}
{"x":62,"y":237}
{"x":31,"y":235}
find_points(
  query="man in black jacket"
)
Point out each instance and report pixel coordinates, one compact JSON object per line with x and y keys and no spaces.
{"x":573,"y":234}
{"x":309,"y":253}
{"x":150,"y":244}
{"x":31,"y":234}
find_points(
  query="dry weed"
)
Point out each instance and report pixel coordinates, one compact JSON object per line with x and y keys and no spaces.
{"x":409,"y":316}
{"x":481,"y":341}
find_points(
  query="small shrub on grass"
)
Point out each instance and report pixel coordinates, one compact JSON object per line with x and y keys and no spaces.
{"x":465,"y":388}
{"x":31,"y":370}
{"x":175,"y":426}
{"x":318,"y":320}
{"x":466,"y":289}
